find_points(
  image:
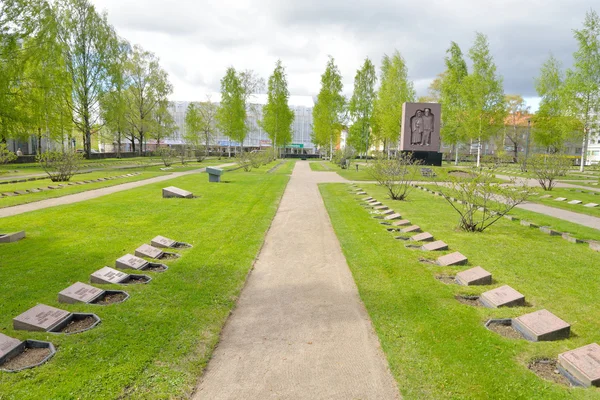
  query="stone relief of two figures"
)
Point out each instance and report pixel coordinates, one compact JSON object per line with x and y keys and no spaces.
{"x":421,"y":127}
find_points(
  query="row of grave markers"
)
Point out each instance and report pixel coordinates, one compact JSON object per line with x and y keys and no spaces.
{"x":573,"y":202}
{"x":44,"y":318}
{"x":593,"y":244}
{"x":61,"y":186}
{"x":581,"y":366}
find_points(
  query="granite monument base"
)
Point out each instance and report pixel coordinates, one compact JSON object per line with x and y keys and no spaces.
{"x":432,"y":158}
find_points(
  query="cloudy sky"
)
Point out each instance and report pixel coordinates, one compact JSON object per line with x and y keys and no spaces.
{"x":197,"y":40}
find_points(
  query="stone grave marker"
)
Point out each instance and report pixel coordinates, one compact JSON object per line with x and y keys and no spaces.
{"x":7,"y":344}
{"x":510,"y":218}
{"x":361,"y":193}
{"x":571,"y":239}
{"x":575,"y":202}
{"x":214,"y":174}
{"x":375,"y":203}
{"x":11,"y":237}
{"x":474,"y":276}
{"x":560,"y":199}
{"x":79,"y":292}
{"x":392,"y":216}
{"x":591,"y":205}
{"x":529,"y":224}
{"x":583,"y":364}
{"x":129,"y":261}
{"x":594,"y":245}
{"x":381,"y":208}
{"x":174,"y":192}
{"x":411,"y":229}
{"x":108,"y":275}
{"x":546,"y":196}
{"x":435,"y":246}
{"x":504,"y":296}
{"x":367,"y":199}
{"x":455,"y":258}
{"x":40,"y":318}
{"x":402,"y":222}
{"x":422,"y":237}
{"x":163,"y":242}
{"x":549,"y":231}
{"x":148,"y":251}
{"x":541,"y":325}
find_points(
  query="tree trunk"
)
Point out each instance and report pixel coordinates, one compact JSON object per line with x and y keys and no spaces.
{"x":119,"y":144}
{"x":478,"y":152}
{"x":456,"y":154}
{"x":584,"y":151}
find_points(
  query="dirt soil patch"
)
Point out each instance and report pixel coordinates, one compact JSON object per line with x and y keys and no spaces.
{"x":169,"y":256}
{"x":505,"y":330}
{"x":28,"y":358}
{"x":547,"y":369}
{"x":112,"y":298}
{"x":447,"y":279}
{"x":78,"y":325}
{"x":156,"y":268}
{"x":136,"y":279}
{"x":469,"y":300}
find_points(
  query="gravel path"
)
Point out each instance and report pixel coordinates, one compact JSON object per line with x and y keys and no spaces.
{"x":300,"y":330}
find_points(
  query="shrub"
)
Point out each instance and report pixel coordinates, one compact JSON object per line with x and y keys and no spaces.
{"x":166,"y":154}
{"x":60,"y":166}
{"x":395,"y":174}
{"x":548,"y":167}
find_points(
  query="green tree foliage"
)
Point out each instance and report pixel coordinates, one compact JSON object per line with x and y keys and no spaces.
{"x":484,"y":95}
{"x":452,"y":96}
{"x":328,"y":113}
{"x":516,"y":107}
{"x":582,"y":84}
{"x":361,"y":107}
{"x":395,"y":90}
{"x":149,"y":87}
{"x":277,"y":115}
{"x":231,"y":115}
{"x":89,"y":44}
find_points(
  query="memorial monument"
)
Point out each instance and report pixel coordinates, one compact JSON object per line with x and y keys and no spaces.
{"x":420,"y":134}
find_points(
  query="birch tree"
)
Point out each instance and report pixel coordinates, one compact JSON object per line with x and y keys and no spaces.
{"x":361,"y":107}
{"x":231,"y":115}
{"x":277,"y":115}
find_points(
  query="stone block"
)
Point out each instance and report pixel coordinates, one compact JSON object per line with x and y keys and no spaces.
{"x":387,"y":212}
{"x":7,"y":344}
{"x":560,"y":199}
{"x":510,"y":218}
{"x":455,"y":258}
{"x":40,"y":318}
{"x":174,"y":192}
{"x":547,"y":230}
{"x":575,"y":202}
{"x":435,"y":246}
{"x":541,"y":326}
{"x":529,"y":224}
{"x":214,"y":174}
{"x":163,"y":242}
{"x":474,"y":276}
{"x":591,"y":205}
{"x":381,"y":208}
{"x":546,"y":196}
{"x":108,"y":275}
{"x":148,"y":251}
{"x":367,"y":199}
{"x":422,"y":237}
{"x":411,"y":229}
{"x":582,"y":364}
{"x":129,"y":261}
{"x":504,"y":296}
{"x":571,"y":239}
{"x":375,"y":203}
{"x":594,"y":245}
{"x":361,"y":193}
{"x":392,"y":216}
{"x":79,"y":292}
{"x":402,"y":222}
{"x":11,"y":237}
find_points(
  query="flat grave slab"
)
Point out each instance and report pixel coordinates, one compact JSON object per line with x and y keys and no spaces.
{"x":146,"y":250}
{"x":79,"y":292}
{"x":504,"y":296}
{"x":367,"y":199}
{"x":411,"y":229}
{"x":129,"y":261}
{"x":11,"y":237}
{"x":435,"y":246}
{"x":571,"y":239}
{"x":591,"y":205}
{"x":361,"y":193}
{"x":402,"y":222}
{"x":40,"y":318}
{"x":560,"y":199}
{"x":387,"y":212}
{"x":575,"y":202}
{"x":174,"y":192}
{"x":594,"y":245}
{"x":455,"y":258}
{"x":7,"y":344}
{"x":108,"y":275}
{"x":529,"y":224}
{"x":541,"y":325}
{"x":474,"y":276}
{"x":549,"y":231}
{"x":392,"y":216}
{"x":422,"y":237}
{"x":546,"y":196}
{"x":375,"y":203}
{"x":381,"y":208}
{"x":583,"y":364}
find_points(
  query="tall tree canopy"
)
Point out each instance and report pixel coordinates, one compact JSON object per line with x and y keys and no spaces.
{"x":231,"y":115}
{"x":328,"y":113}
{"x":361,"y":107}
{"x":277,"y":115}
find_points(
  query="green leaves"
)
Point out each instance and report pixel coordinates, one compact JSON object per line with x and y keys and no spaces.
{"x":231,"y":115}
{"x":328,"y":112}
{"x":361,"y":107}
{"x":277,"y":115}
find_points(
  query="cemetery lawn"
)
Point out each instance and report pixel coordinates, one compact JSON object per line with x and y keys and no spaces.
{"x":438,"y":348}
{"x":158,"y":342}
{"x":570,"y":194}
{"x":320,"y":166}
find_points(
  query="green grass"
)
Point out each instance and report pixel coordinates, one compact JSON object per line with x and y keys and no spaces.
{"x":438,"y":348}
{"x":320,"y":166}
{"x":570,"y":194}
{"x":157,"y":343}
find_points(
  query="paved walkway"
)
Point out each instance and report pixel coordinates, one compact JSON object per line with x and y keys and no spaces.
{"x":92,"y":194}
{"x":300,"y":330}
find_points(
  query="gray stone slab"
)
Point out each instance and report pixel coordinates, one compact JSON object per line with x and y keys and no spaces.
{"x":575,"y":202}
{"x":474,"y":276}
{"x":108,"y":275}
{"x":163,"y":242}
{"x":591,"y":205}
{"x":583,"y":364}
{"x":174,"y":192}
{"x":411,"y":229}
{"x":435,"y":246}
{"x":510,"y":218}
{"x":7,"y":344}
{"x":547,"y":230}
{"x":79,"y":293}
{"x":571,"y":239}
{"x":560,"y":199}
{"x":455,"y":258}
{"x":146,"y":250}
{"x":375,"y":203}
{"x":129,"y":261}
{"x":381,"y":208}
{"x":594,"y":245}
{"x":529,"y":224}
{"x":402,"y":222}
{"x":367,"y":199}
{"x":387,"y":212}
{"x":40,"y":318}
{"x":422,"y":237}
{"x":541,"y":325}
{"x":392,"y":216}
{"x":214,"y":174}
{"x":546,"y":196}
{"x":11,"y":237}
{"x":361,"y":193}
{"x":504,"y":296}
